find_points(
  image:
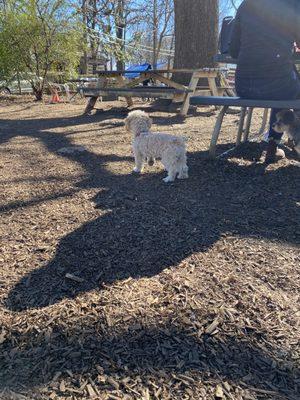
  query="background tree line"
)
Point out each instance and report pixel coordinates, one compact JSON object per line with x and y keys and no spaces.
{"x":42,"y":37}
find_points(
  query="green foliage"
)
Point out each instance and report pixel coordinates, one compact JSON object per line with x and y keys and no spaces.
{"x":38,"y":37}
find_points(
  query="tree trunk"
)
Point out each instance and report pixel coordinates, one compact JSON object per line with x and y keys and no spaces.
{"x":94,"y":41}
{"x":19,"y":83}
{"x":155,"y":35}
{"x":196,"y":34}
{"x":120,"y":32}
{"x":84,"y":65}
{"x":38,"y":93}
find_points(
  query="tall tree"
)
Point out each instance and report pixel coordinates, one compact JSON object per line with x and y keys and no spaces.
{"x":120,"y":27}
{"x":196,"y":33}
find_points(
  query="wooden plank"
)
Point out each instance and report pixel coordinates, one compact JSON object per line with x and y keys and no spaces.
{"x":169,"y":82}
{"x":204,"y":92}
{"x":134,"y":93}
{"x":207,"y":74}
{"x":225,"y":83}
{"x":127,"y":91}
{"x":178,"y":98}
{"x":213,"y":86}
{"x":207,"y":87}
{"x":121,"y":80}
{"x":207,"y":92}
{"x":192,"y":87}
{"x":132,"y":83}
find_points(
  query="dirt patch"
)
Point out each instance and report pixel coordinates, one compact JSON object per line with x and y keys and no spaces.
{"x":116,"y":286}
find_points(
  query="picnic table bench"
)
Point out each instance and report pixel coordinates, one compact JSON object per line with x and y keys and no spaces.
{"x":247,"y":106}
{"x":167,"y":88}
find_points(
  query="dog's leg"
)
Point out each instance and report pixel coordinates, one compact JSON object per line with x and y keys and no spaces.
{"x":183,"y":168}
{"x":139,"y":159}
{"x":170,"y":166}
{"x":171,"y":176}
{"x":183,"y":173}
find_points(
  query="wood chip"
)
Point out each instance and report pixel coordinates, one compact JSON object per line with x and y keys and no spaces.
{"x":62,"y":386}
{"x":74,"y":278}
{"x":113,"y":397}
{"x":91,"y":392}
{"x":2,"y":336}
{"x":113,"y":382}
{"x":212,"y":327}
{"x":219,"y":392}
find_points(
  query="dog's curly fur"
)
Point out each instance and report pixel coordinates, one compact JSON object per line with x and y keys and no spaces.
{"x":146,"y":145}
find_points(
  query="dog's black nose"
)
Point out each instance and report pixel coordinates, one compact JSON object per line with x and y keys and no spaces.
{"x":273,"y":126}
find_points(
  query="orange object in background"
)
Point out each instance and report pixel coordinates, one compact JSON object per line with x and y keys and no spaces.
{"x":55,"y":98}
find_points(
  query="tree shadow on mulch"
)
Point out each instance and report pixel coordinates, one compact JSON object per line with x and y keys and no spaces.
{"x":85,"y":351}
{"x":149,"y":226}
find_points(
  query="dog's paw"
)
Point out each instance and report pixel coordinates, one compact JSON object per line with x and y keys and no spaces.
{"x":136,"y":171}
{"x":183,"y":176}
{"x":168,"y":180}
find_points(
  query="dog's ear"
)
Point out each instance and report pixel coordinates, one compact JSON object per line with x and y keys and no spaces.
{"x":288,"y":117}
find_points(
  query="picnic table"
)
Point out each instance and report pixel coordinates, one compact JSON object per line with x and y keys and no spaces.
{"x":227,"y":59}
{"x":164,"y":86}
{"x":246,"y":105}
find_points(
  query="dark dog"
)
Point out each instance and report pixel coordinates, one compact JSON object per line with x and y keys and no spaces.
{"x":289,"y":123}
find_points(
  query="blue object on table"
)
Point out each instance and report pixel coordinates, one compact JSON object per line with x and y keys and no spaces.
{"x":137,"y":67}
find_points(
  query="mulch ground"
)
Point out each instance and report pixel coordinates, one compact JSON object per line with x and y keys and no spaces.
{"x":117,"y":286}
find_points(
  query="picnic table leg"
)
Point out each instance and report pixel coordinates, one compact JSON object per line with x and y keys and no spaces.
{"x":192,"y":87}
{"x":90,"y":105}
{"x":128,"y":99}
{"x":213,"y":86}
{"x":248,"y":124}
{"x":216,"y":132}
{"x":241,"y":126}
{"x":264,"y":121}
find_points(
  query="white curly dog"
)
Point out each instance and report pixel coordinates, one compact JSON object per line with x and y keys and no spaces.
{"x":147,"y":145}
